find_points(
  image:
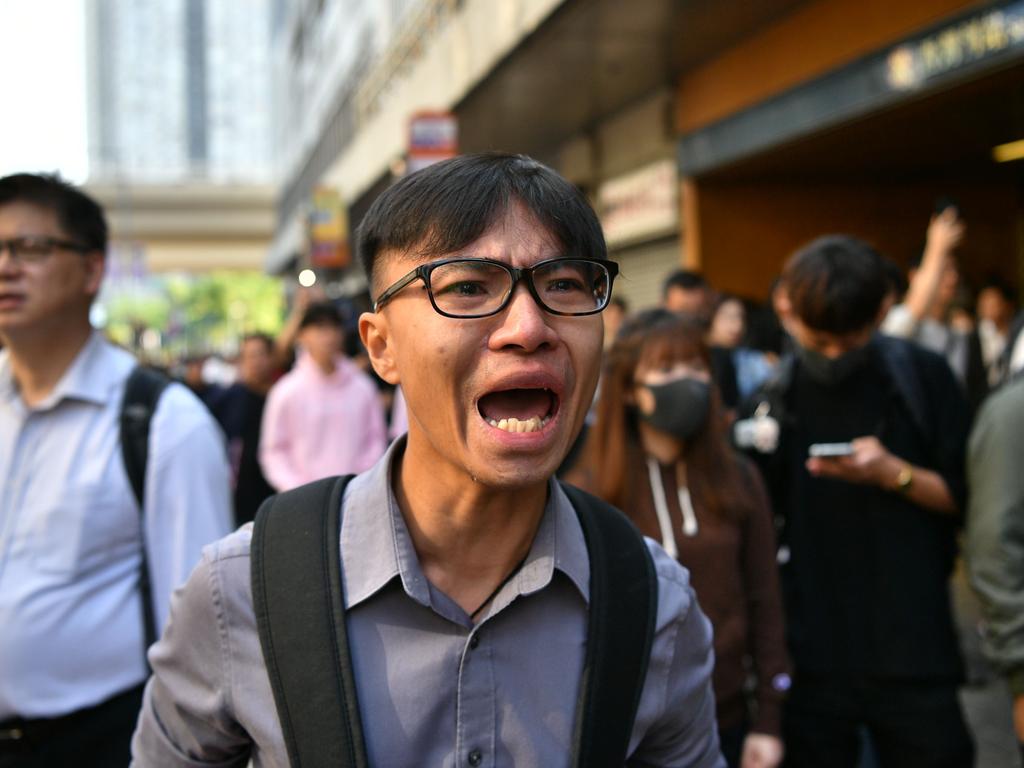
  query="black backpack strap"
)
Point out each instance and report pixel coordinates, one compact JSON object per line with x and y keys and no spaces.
{"x":623,"y":610}
{"x":141,"y":394}
{"x":899,"y":362}
{"x":300,"y":613}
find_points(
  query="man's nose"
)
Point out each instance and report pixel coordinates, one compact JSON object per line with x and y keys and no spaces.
{"x":9,"y":263}
{"x":523,"y":323}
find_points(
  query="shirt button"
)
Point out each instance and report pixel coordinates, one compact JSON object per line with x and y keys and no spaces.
{"x":474,"y":641}
{"x":475,"y":757}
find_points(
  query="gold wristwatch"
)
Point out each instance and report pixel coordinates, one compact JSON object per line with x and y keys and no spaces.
{"x":905,"y":478}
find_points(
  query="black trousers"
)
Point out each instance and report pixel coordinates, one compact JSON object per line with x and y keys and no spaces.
{"x":911,"y":725}
{"x":97,"y":737}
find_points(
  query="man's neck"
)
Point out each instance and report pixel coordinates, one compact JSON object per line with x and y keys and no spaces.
{"x":326,"y":365}
{"x":39,"y":359}
{"x":260,"y":388}
{"x":468,"y":537}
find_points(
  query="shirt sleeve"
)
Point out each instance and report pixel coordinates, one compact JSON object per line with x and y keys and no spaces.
{"x":188,"y":492}
{"x":995,"y":528}
{"x":675,"y":723}
{"x":899,"y":322}
{"x":768,"y":642}
{"x":275,"y":440}
{"x":187,"y":713}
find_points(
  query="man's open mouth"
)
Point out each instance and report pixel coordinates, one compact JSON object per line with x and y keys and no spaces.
{"x":519,"y":410}
{"x":8,"y":298}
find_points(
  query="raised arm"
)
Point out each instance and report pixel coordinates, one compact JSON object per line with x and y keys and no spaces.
{"x":945,"y":232}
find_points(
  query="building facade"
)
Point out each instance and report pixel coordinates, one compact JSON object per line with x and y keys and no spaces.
{"x":180,"y":130}
{"x":718,"y":135}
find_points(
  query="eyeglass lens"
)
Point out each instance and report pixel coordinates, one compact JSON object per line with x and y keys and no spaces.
{"x":471,"y":287}
{"x":29,"y":248}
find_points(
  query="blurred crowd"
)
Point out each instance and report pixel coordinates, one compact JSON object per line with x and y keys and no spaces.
{"x":816,"y":458}
{"x":684,"y":386}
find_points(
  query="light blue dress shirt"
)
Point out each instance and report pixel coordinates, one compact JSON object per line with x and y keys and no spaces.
{"x":70,"y":541}
{"x":434,"y":688}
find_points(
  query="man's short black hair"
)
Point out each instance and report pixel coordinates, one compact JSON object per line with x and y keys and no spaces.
{"x":686,"y":279}
{"x":263,"y":338}
{"x":79,"y":215}
{"x":322,"y":313}
{"x":998,"y":284}
{"x":446,"y":206}
{"x":836,"y":284}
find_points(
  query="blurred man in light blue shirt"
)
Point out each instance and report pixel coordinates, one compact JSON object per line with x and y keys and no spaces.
{"x":72,"y":538}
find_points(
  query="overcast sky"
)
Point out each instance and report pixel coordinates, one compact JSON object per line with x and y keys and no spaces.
{"x":42,"y":85}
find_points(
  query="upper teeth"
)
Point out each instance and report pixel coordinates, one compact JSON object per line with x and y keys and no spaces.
{"x":534,"y":424}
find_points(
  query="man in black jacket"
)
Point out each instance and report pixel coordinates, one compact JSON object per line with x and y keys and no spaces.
{"x":867,"y":478}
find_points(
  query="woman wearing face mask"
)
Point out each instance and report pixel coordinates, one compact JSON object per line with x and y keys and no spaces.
{"x":658,"y":450}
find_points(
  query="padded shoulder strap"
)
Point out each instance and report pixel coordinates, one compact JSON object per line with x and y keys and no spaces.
{"x":623,"y":609}
{"x":898,"y":360}
{"x":141,"y":394}
{"x":297,"y":597}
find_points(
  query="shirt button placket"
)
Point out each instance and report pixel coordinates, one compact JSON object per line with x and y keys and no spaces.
{"x":476,"y":706}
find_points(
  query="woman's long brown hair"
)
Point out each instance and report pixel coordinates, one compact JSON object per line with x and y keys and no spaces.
{"x":614,"y":460}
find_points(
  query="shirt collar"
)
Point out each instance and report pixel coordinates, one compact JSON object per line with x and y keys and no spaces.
{"x":376,"y":547}
{"x":307,"y":365}
{"x":90,"y":377}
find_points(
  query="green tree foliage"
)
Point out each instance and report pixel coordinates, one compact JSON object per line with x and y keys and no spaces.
{"x":196,"y":314}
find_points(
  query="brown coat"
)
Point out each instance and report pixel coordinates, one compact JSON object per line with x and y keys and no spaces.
{"x":734,"y":573}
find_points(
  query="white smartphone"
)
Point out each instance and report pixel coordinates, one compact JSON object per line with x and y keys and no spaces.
{"x":829,"y":450}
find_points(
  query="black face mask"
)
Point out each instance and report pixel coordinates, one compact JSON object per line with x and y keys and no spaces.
{"x":831,"y":371}
{"x":680,"y":407}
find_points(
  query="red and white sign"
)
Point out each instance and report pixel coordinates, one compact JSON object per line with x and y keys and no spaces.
{"x":433,"y":136}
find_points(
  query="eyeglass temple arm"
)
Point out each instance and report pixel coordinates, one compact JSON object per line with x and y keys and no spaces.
{"x":385,"y":297}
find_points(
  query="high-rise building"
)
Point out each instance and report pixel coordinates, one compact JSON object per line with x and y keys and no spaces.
{"x":179,"y":90}
{"x":179,"y":133}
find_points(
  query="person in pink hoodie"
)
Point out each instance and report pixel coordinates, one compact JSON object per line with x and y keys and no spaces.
{"x":324,"y":417}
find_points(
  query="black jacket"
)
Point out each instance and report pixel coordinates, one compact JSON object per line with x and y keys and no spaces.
{"x":865,"y":579}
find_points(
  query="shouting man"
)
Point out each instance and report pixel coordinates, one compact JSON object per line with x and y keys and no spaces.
{"x":470,"y":579}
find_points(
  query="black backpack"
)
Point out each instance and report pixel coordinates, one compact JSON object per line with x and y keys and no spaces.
{"x":297,"y":597}
{"x":141,"y":394}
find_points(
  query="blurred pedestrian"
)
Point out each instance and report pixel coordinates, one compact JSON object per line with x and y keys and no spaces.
{"x":729,"y":334}
{"x":477,"y":634}
{"x":926,"y":312}
{"x":659,"y":451}
{"x":995,"y":310}
{"x":867,"y":473}
{"x":728,"y":322}
{"x":995,"y":534}
{"x":324,"y":417}
{"x":192,"y":377}
{"x":239,"y":410}
{"x":687,"y":292}
{"x":84,"y":572}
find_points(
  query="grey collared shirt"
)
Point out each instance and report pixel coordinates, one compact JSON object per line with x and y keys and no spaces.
{"x":433,"y":687}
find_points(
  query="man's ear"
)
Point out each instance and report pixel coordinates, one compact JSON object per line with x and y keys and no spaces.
{"x":376,"y":336}
{"x":95,"y":266}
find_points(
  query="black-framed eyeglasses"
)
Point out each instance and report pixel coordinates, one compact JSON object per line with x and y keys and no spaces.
{"x":468,"y":288}
{"x":32,"y":249}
